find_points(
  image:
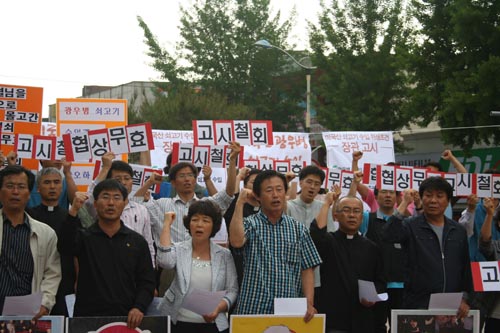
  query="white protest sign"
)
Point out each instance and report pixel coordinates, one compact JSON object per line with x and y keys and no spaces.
{"x":288,"y":146}
{"x":377,"y":147}
{"x":163,"y":141}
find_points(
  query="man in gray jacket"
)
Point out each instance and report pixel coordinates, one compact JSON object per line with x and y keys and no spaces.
{"x":29,"y":261}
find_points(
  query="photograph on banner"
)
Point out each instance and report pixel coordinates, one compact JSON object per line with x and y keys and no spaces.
{"x":25,"y":324}
{"x":276,"y":324}
{"x":433,"y":321}
{"x":486,"y":275}
{"x":149,"y":324}
{"x":22,"y":114}
{"x":221,"y":132}
{"x":377,"y":147}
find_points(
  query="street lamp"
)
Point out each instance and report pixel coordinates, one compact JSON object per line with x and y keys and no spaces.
{"x":266,"y":45}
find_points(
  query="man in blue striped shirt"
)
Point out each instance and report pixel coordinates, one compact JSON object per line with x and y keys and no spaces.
{"x":279,"y":255}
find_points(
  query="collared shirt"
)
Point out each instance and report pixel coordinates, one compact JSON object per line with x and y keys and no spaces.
{"x":158,"y":208}
{"x":306,"y":213}
{"x":275,"y":256}
{"x":114,"y":276}
{"x":363,"y":228}
{"x":136,"y":217}
{"x":16,"y":260}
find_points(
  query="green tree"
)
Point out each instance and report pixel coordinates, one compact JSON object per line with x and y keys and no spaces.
{"x":176,"y":111}
{"x":457,"y":69}
{"x":360,"y":47}
{"x":217,"y":53}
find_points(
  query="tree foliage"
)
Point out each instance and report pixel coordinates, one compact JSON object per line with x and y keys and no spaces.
{"x":457,"y":69}
{"x":169,"y":112}
{"x":360,"y":47}
{"x":217,"y":53}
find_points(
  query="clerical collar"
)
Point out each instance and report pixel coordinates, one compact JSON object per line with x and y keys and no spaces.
{"x":349,"y":236}
{"x":50,"y":208}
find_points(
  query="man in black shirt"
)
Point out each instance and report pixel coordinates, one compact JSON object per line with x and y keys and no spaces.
{"x":50,"y":185}
{"x":116,"y":276}
{"x":347,"y":257}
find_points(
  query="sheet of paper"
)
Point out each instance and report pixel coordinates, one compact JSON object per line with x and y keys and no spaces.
{"x":368,"y":291}
{"x":202,"y":302}
{"x":70,"y":304}
{"x":27,"y":305}
{"x":153,"y":308}
{"x":445,"y":301}
{"x":290,"y":306}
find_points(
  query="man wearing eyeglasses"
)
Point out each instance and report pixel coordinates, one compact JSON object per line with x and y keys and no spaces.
{"x":115,"y":277}
{"x":29,"y":261}
{"x":183,"y":179}
{"x":393,"y":254}
{"x":347,"y":257}
{"x":135,"y":216}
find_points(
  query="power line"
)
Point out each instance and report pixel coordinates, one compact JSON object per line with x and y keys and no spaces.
{"x":443,"y":129}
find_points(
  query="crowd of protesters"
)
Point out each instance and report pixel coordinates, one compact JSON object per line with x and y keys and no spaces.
{"x":117,"y":249}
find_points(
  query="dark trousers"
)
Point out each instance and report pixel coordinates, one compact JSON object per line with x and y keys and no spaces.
{"x":492,"y":325}
{"x":382,"y":310}
{"x":184,"y":327}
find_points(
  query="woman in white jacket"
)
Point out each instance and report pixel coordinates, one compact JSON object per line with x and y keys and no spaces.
{"x":200,"y":264}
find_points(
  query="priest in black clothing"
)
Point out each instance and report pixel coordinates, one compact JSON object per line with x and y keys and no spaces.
{"x":116,"y":276}
{"x":347,"y":257}
{"x":50,"y":185}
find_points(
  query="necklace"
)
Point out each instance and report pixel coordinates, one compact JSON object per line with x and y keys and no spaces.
{"x":200,"y":263}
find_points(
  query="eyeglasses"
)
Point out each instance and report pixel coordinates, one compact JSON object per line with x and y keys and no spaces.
{"x":107,"y":197}
{"x":312,"y":183}
{"x":19,"y":187}
{"x":185,"y":176}
{"x":348,"y":211}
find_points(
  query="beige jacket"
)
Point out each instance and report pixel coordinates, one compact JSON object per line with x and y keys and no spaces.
{"x":47,"y":264}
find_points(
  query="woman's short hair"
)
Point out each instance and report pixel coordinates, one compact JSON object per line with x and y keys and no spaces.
{"x":208,"y":208}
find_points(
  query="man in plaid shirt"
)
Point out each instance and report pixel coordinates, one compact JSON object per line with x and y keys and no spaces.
{"x":279,"y":255}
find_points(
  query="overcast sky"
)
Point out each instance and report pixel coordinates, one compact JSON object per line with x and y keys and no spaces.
{"x":62,"y":45}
